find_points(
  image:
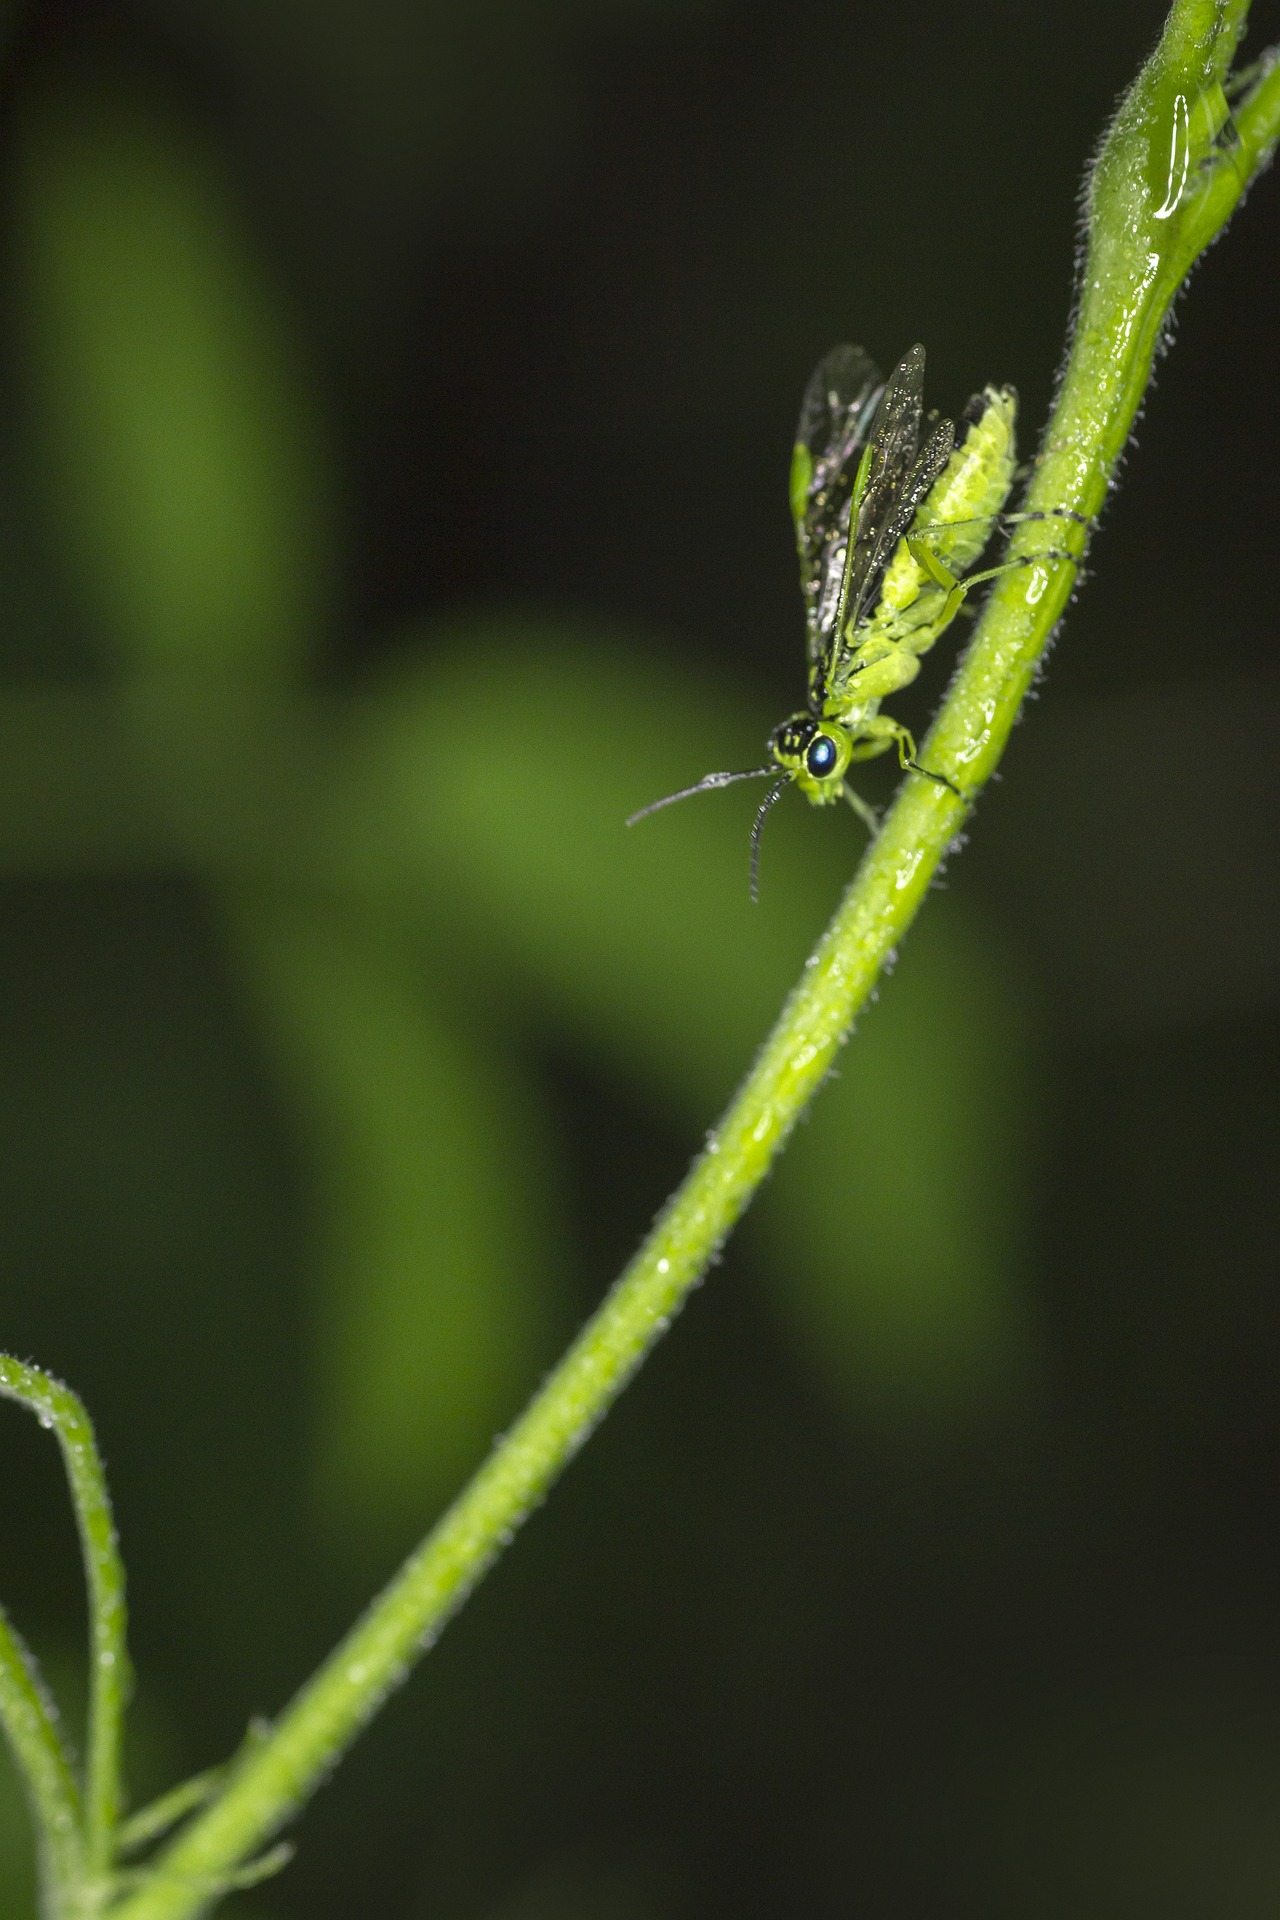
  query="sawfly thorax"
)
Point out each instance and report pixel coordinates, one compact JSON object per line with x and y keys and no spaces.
{"x":815,"y":753}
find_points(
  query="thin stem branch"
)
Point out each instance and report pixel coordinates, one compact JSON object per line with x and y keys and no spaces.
{"x":141,"y":1828}
{"x":56,"y":1406}
{"x":1166,"y":179}
{"x":30,"y":1724}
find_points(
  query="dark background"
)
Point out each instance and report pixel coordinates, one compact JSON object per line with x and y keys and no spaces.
{"x":397,"y":403}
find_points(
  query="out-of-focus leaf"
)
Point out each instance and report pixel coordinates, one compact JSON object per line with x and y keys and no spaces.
{"x":494,"y":784}
{"x":184,"y":475}
{"x":897,"y":1219}
{"x":477,"y":100}
{"x":433,"y":1217}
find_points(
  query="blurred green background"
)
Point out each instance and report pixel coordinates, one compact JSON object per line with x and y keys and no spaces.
{"x":396,"y":405}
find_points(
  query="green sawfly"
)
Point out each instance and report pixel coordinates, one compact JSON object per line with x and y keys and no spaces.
{"x":891,"y":510}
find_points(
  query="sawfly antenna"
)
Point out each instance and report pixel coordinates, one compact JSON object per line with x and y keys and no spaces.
{"x":707,"y":784}
{"x":775,"y":793}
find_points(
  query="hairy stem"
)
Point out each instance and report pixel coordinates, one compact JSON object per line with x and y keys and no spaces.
{"x":31,"y":1728}
{"x":55,"y":1406}
{"x":1166,"y":179}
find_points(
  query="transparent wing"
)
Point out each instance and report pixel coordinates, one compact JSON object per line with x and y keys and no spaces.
{"x":873,"y":553}
{"x":893,"y":460}
{"x":836,"y":413}
{"x":899,"y":474}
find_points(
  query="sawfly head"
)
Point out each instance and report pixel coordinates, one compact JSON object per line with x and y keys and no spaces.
{"x":814,"y":753}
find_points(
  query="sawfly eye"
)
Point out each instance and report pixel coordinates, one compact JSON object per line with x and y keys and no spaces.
{"x":821,"y":757}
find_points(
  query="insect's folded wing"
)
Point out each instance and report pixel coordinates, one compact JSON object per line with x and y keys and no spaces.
{"x":836,"y":415}
{"x":838,"y":400}
{"x":933,"y":457}
{"x":893,"y":458}
{"x":876,"y":546}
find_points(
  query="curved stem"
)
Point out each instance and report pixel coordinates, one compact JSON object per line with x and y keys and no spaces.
{"x":56,"y":1406}
{"x":30,"y":1725}
{"x":1167,"y":177}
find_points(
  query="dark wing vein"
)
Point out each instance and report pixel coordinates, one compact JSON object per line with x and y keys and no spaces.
{"x":898,"y":515}
{"x":899,"y":476}
{"x":839,"y":405}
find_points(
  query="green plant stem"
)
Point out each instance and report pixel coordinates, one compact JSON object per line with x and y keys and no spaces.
{"x":31,"y":1728}
{"x":56,"y":1406}
{"x":157,"y":1818}
{"x":1137,"y":258}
